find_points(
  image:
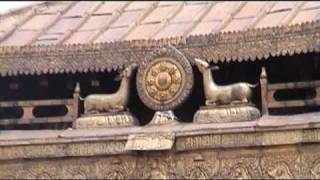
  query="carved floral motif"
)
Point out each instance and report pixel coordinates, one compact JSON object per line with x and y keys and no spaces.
{"x":240,"y":172}
{"x":163,"y":80}
{"x":281,"y":165}
{"x":198,"y":166}
{"x":240,"y":167}
{"x":280,"y":171}
{"x":116,"y":168}
{"x":315,"y":169}
{"x":156,"y":167}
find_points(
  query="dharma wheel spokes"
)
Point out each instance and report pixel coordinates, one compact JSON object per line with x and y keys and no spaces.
{"x":164,"y":82}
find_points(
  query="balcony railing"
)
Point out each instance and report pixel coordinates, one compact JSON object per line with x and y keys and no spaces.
{"x":29,"y":108}
{"x":268,"y":92}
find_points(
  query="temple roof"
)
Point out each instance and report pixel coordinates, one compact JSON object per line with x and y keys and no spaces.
{"x":70,"y":37}
{"x":95,"y":22}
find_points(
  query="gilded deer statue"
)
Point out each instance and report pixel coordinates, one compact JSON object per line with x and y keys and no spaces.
{"x":97,"y":103}
{"x":222,"y":94}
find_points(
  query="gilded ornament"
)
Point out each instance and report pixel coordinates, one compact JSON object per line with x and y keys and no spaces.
{"x":164,"y":79}
{"x":160,"y":84}
{"x":222,"y":95}
{"x":109,"y":110}
{"x":228,"y":103}
{"x":99,"y":103}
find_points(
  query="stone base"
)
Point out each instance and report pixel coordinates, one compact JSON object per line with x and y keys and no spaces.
{"x":106,"y":120}
{"x":160,"y":118}
{"x":226,"y":114}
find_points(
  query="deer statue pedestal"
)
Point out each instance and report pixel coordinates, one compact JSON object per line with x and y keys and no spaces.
{"x":109,"y":110}
{"x":106,"y":120}
{"x":227,"y":103}
{"x":226,"y":114}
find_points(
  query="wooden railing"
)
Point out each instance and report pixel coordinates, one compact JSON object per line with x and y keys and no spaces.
{"x":268,"y":93}
{"x":28,"y":107}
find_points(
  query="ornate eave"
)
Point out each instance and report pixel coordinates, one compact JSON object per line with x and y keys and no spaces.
{"x":252,"y":44}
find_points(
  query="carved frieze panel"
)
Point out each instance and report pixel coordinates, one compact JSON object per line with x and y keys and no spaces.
{"x":281,"y":163}
{"x":156,"y":166}
{"x":77,"y":169}
{"x":207,"y":156}
{"x":10,"y":170}
{"x":63,"y":149}
{"x":240,"y":164}
{"x":39,"y":171}
{"x":198,"y":165}
{"x":278,"y":162}
{"x":115,"y":168}
{"x":310,"y":161}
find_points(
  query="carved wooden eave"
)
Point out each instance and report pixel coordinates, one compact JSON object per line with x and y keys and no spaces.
{"x":253,"y":44}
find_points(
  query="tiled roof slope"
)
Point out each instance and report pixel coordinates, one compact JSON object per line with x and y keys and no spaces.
{"x":83,"y":22}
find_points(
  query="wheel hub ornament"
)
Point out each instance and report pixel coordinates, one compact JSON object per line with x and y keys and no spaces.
{"x":164,"y":79}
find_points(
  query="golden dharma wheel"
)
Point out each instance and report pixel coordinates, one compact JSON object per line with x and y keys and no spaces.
{"x":164,"y":79}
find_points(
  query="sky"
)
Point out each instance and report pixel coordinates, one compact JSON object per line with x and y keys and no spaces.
{"x":6,"y":6}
